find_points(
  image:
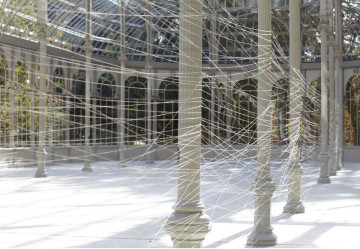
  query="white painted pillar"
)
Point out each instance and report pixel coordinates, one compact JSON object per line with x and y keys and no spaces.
{"x":122,"y":59}
{"x":188,"y":224}
{"x":264,"y":187}
{"x":324,"y":156}
{"x":42,"y":34}
{"x":295,"y":171}
{"x":339,"y":84}
{"x":88,"y":49}
{"x":332,"y":154}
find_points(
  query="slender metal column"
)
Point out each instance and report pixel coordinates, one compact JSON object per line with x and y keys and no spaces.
{"x":93,"y":115}
{"x":67,"y":123}
{"x":188,"y":224}
{"x":88,"y":49}
{"x":264,"y":187}
{"x":155,"y":100}
{"x":228,"y":114}
{"x":150,"y":86}
{"x":42,"y":34}
{"x":332,"y":154}
{"x":295,"y":171}
{"x":121,"y":110}
{"x":32,"y":101}
{"x":13,"y":89}
{"x":67,"y":107}
{"x":339,"y":84}
{"x":50,"y":116}
{"x":150,"y":81}
{"x":324,"y":156}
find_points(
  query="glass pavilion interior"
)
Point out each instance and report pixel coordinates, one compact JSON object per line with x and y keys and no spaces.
{"x":184,"y":86}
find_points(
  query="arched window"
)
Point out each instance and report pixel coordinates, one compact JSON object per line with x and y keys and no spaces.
{"x":4,"y":71}
{"x":106,"y":86}
{"x":4,"y":103}
{"x":244,"y":112}
{"x":135,"y":114}
{"x":106,"y":113}
{"x":77,"y":109}
{"x":79,"y":78}
{"x":58,"y":81}
{"x":24,"y":89}
{"x":281,"y":115}
{"x":352,"y":110}
{"x":213,"y":115}
{"x":168,"y":108}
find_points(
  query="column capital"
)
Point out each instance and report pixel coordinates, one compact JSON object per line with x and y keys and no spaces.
{"x":88,"y":45}
{"x":42,"y":31}
{"x":122,"y":58}
{"x":331,"y":37}
{"x":337,"y":51}
{"x":324,"y":22}
{"x":148,"y":65}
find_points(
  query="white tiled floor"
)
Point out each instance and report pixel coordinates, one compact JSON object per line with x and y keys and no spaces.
{"x":127,"y":207}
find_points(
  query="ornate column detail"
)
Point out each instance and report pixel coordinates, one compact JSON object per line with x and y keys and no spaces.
{"x":264,"y":187}
{"x":42,"y":34}
{"x":295,"y":171}
{"x":324,"y":156}
{"x":88,"y":49}
{"x":188,"y":224}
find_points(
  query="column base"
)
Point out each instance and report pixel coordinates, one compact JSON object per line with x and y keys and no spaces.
{"x":40,"y":157}
{"x":333,"y":173}
{"x":121,"y":165}
{"x":294,"y":208}
{"x":340,"y":164}
{"x":89,"y":155}
{"x":332,"y":163}
{"x":40,"y":174}
{"x":263,"y":190}
{"x":294,"y":204}
{"x":324,"y":169}
{"x":188,"y":226}
{"x":262,"y":236}
{"x":149,"y":158}
{"x":323,"y":180}
{"x":87,"y":167}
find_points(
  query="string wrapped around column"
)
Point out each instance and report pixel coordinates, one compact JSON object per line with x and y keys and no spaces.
{"x":264,"y":187}
{"x":188,"y":224}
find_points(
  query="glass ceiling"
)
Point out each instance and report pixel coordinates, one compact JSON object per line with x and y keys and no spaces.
{"x":236,"y":23}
